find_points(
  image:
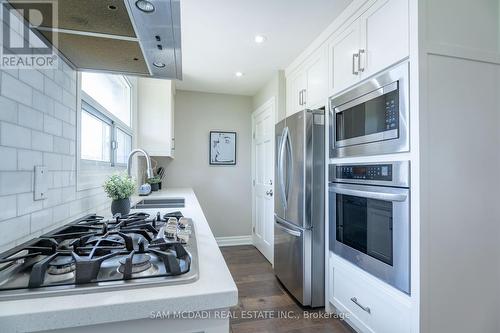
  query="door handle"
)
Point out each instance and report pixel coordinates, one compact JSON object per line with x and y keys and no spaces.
{"x":289,"y":174}
{"x":270,"y":193}
{"x":288,"y":231}
{"x":354,"y":56}
{"x":300,"y":97}
{"x":281,"y":180}
{"x":304,"y":97}
{"x":365,"y":308}
{"x":361,"y":69}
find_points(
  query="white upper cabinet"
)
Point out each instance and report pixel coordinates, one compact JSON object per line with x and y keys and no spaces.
{"x":296,"y":87}
{"x":343,"y":58}
{"x":316,"y":72}
{"x":384,"y":35}
{"x":376,"y":40}
{"x":307,"y":86}
{"x":156,"y":116}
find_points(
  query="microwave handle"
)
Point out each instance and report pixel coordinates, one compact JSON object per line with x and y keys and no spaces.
{"x":372,"y":195}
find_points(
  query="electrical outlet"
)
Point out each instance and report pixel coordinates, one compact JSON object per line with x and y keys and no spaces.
{"x":41,"y":182}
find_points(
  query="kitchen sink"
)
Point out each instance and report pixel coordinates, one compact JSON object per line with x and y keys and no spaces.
{"x":160,"y":203}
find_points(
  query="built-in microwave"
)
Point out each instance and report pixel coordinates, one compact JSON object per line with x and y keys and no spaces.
{"x":369,"y":218}
{"x":372,"y":118}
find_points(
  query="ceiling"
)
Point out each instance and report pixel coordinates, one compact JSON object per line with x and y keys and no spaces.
{"x":218,"y":40}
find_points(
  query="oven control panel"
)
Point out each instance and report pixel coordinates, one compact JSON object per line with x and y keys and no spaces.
{"x":381,"y":172}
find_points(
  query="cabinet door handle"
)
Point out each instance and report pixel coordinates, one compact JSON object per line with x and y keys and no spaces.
{"x":354,"y":56}
{"x":361,"y":69}
{"x":304,"y":96}
{"x":300,"y":97}
{"x":365,"y":308}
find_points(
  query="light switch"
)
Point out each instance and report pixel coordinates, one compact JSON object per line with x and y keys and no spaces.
{"x":41,"y":182}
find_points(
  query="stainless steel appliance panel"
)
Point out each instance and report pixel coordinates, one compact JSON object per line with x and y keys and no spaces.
{"x":296,"y":159}
{"x":315,"y":202}
{"x":279,"y":169}
{"x":369,"y":223}
{"x":358,"y":117}
{"x":290,"y":244}
{"x":299,"y":230}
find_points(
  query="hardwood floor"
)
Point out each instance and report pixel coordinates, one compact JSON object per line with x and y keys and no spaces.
{"x":264,"y":305}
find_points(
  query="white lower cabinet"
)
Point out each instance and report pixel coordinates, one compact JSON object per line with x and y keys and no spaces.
{"x":368,"y":303}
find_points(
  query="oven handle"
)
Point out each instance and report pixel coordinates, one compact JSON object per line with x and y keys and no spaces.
{"x":395,"y":197}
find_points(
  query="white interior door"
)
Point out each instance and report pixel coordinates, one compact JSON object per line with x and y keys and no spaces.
{"x":263,"y":179}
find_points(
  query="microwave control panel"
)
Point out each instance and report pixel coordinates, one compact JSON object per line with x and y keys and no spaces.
{"x":381,"y":172}
{"x":391,"y":110}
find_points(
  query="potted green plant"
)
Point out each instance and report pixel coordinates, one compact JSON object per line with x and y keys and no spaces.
{"x":154,"y":182}
{"x":119,"y":188}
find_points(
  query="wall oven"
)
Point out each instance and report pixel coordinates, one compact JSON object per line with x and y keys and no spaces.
{"x":372,"y":118}
{"x":369,"y":218}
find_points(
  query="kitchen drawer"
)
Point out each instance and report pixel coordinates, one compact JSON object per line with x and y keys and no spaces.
{"x":379,"y":310}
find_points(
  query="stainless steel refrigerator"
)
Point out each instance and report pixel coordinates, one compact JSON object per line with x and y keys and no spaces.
{"x":299,"y":232}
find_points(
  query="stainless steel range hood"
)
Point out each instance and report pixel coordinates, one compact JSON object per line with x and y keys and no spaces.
{"x":117,"y":36}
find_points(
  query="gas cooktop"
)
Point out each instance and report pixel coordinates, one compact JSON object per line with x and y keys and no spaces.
{"x":93,"y":254}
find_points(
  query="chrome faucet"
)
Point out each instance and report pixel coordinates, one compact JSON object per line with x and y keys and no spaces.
{"x":149,"y":171}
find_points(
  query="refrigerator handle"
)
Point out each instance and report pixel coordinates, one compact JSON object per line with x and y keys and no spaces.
{"x":289,"y":173}
{"x":280,"y":166}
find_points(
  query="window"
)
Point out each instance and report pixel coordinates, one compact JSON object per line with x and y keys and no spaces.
{"x":105,"y":126}
{"x":112,"y":92}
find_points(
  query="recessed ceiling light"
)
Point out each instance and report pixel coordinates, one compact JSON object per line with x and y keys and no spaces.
{"x":239,"y":74}
{"x":159,"y":64}
{"x":259,"y":39}
{"x":145,"y":6}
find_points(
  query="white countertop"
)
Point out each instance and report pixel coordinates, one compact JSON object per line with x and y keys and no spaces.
{"x":215,"y":289}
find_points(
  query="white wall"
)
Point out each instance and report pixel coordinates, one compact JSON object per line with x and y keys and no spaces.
{"x":38,"y":127}
{"x":224,"y":192}
{"x":275,"y":87}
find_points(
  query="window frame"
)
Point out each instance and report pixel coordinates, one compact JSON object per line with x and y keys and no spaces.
{"x":86,"y":103}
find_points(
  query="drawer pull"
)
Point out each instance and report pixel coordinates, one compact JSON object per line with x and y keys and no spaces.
{"x":365,"y":308}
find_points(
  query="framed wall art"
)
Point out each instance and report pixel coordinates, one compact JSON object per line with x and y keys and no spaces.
{"x":222,"y":148}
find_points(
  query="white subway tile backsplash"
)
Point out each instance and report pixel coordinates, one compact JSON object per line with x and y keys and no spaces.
{"x":13,"y":182}
{"x":52,"y":161}
{"x":68,"y":99}
{"x":69,"y":194}
{"x":8,"y":110}
{"x":52,"y":125}
{"x":38,"y":127}
{"x":61,"y":212}
{"x":42,"y":141}
{"x":8,"y":207}
{"x":62,"y":112}
{"x":61,"y":145}
{"x":32,"y":77}
{"x":27,"y":159}
{"x":14,"y":136}
{"x":54,"y":197}
{"x":14,"y":229}
{"x":8,"y":159}
{"x":43,"y":103}
{"x":69,"y":131}
{"x":41,"y":219}
{"x":16,"y":90}
{"x":26,"y":204}
{"x":29,"y":117}
{"x":52,"y":90}
{"x":68,"y":163}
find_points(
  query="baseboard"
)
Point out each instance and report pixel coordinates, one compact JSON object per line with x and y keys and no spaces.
{"x":234,"y":240}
